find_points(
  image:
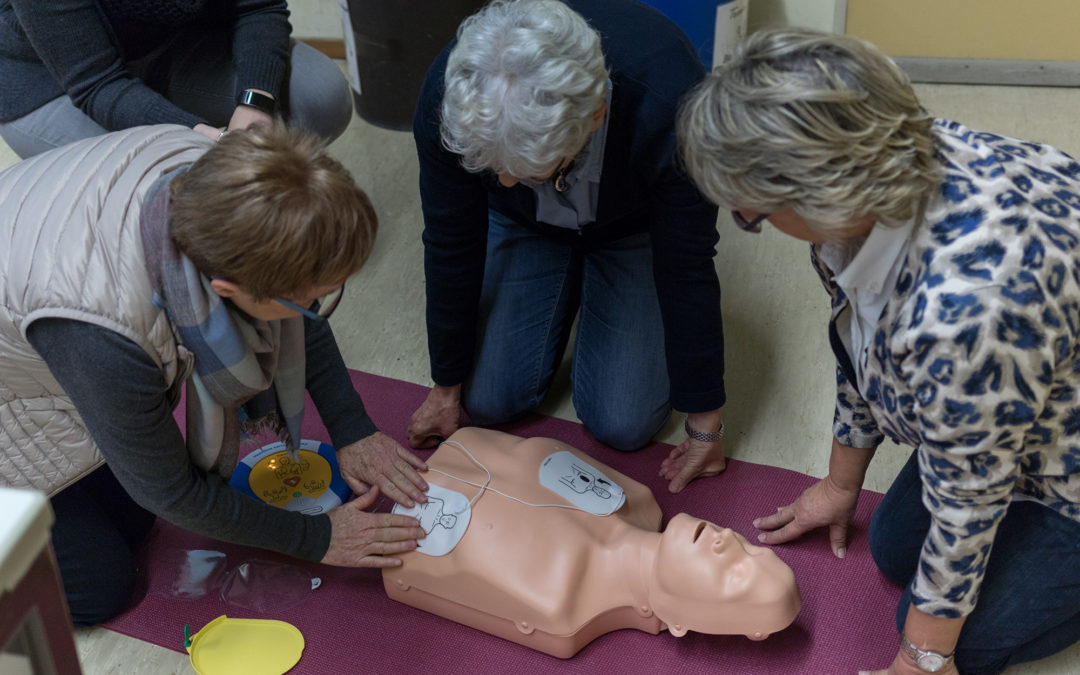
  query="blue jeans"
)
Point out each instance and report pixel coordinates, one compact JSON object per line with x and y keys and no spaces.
{"x":195,"y":71}
{"x":533,"y":287}
{"x":1029,"y":605}
{"x":98,"y":529}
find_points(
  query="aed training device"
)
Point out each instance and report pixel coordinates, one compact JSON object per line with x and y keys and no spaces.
{"x":244,"y":647}
{"x":311,"y":485}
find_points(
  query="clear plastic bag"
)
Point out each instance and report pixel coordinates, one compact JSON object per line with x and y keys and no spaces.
{"x":264,"y":586}
{"x":190,"y":574}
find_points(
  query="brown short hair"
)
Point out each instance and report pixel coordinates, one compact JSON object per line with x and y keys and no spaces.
{"x":267,"y":209}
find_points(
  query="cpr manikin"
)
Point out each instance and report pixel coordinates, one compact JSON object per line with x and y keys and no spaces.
{"x":554,"y":578}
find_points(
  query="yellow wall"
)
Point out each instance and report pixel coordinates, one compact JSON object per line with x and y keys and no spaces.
{"x":969,"y":29}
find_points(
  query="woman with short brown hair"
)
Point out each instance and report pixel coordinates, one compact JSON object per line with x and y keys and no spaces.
{"x":151,"y":259}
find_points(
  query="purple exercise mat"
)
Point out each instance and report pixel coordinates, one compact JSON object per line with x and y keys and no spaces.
{"x":350,"y":626}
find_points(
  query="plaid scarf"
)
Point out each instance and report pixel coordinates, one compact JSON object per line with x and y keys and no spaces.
{"x":249,"y":374}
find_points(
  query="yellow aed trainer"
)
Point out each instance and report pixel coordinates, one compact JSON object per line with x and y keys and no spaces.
{"x":244,"y":647}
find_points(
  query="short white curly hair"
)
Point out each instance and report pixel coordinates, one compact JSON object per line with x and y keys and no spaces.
{"x":522,"y":85}
{"x":821,"y":123}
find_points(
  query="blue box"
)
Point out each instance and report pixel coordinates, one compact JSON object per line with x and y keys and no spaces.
{"x":696,"y":18}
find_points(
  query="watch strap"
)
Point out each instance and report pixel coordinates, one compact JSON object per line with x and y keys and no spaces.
{"x":254,"y":99}
{"x":705,"y":436}
{"x":926,"y":660}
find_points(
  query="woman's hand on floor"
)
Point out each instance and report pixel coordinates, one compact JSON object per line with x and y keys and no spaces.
{"x":690,"y":460}
{"x":823,"y":504}
{"x":436,"y":418}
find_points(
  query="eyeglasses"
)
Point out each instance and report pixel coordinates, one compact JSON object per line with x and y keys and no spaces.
{"x":321,"y":309}
{"x":748,"y":225}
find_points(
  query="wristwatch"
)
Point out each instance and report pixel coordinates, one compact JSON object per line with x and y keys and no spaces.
{"x":927,"y":661}
{"x":254,"y":99}
{"x":706,"y":436}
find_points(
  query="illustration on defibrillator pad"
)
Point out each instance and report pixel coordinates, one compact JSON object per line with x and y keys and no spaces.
{"x":434,"y":514}
{"x":582,"y":480}
{"x":580,"y":484}
{"x":444,"y":517}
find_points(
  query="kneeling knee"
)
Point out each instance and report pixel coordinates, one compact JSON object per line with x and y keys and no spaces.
{"x":626,"y":436}
{"x":625,"y":423}
{"x":981,"y":661}
{"x":893,"y":563}
{"x":106,"y":600}
{"x":494,"y":410}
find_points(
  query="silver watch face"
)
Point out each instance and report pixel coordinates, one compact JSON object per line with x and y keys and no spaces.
{"x":931,"y":662}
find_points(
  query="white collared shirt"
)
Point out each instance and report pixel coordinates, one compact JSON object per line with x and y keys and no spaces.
{"x":867,"y":274}
{"x":576,"y":207}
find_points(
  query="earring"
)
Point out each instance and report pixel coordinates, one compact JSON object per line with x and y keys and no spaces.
{"x":559,"y":180}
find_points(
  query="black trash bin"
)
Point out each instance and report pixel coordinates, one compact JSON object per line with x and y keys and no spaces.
{"x":396,"y":41}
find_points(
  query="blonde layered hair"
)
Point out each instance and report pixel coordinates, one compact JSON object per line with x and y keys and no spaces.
{"x":267,"y":209}
{"x":521,"y":87}
{"x":824,"y":124}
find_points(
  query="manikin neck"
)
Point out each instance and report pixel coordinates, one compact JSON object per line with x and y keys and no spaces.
{"x":636,"y":556}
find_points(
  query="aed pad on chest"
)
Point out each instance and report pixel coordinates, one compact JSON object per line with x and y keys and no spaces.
{"x":444,"y":516}
{"x":581,"y":484}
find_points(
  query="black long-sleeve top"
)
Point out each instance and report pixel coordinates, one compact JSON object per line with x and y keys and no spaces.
{"x":79,"y":48}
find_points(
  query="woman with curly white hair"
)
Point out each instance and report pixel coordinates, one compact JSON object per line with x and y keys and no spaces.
{"x":952,"y":260}
{"x":551,"y":189}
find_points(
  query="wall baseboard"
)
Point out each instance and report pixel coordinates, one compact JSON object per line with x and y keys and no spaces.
{"x":991,"y":71}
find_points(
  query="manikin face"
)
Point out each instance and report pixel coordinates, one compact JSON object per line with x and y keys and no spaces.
{"x":711,"y":580}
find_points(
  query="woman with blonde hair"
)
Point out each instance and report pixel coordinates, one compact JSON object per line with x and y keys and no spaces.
{"x":951,"y":257}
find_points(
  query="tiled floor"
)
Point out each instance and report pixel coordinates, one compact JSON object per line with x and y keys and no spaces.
{"x":780,"y":369}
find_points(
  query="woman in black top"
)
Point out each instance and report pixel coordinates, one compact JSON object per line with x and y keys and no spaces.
{"x":72,"y":69}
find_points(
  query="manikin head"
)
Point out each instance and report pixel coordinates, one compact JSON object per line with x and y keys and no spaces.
{"x":709,"y":579}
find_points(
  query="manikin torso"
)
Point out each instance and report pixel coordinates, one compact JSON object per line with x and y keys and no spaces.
{"x":555,"y":578}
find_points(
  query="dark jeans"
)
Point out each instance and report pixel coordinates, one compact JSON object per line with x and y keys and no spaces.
{"x":1029,"y":604}
{"x":97,"y":531}
{"x":534,"y":286}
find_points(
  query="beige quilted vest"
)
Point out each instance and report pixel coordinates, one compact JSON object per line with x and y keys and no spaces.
{"x":70,"y":247}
